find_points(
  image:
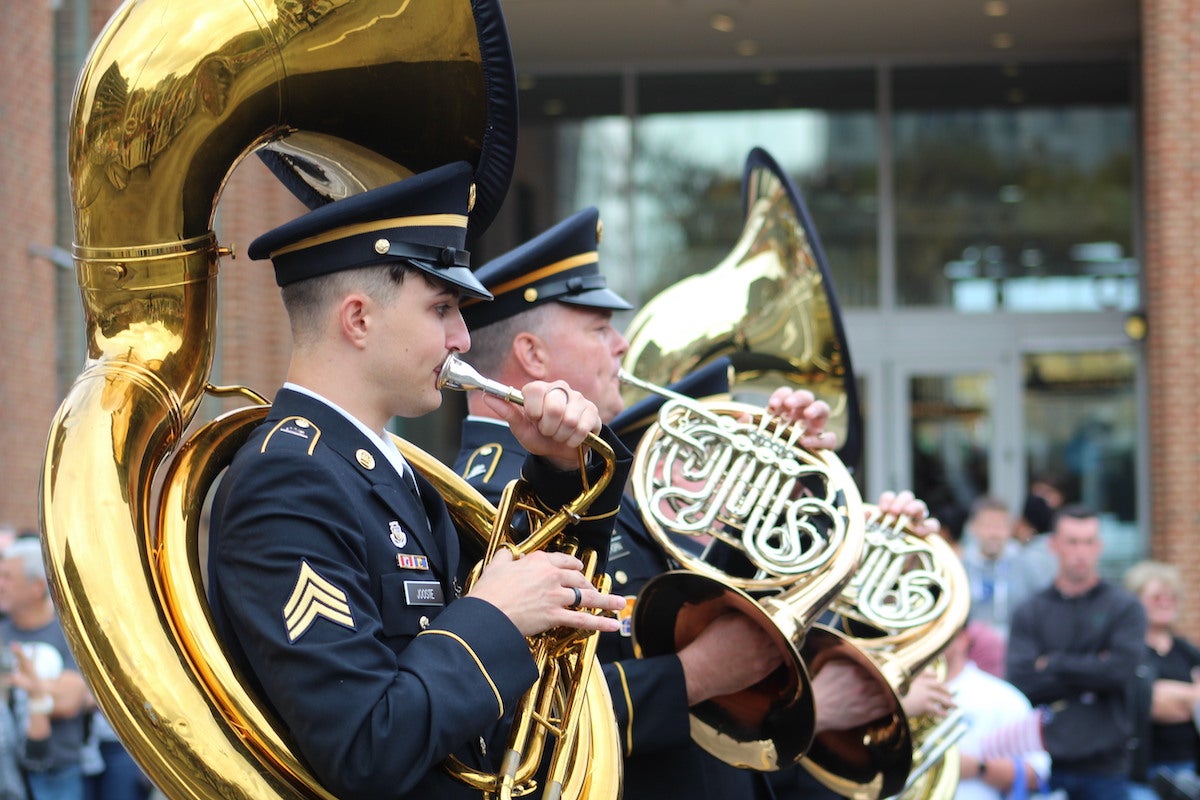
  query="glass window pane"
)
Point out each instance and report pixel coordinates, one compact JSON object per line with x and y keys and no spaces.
{"x":562,"y":166}
{"x":687,"y":200}
{"x":1014,"y":187}
{"x":1081,"y":432}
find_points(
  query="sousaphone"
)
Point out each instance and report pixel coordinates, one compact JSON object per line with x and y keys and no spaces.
{"x":344,"y":96}
{"x":769,"y":305}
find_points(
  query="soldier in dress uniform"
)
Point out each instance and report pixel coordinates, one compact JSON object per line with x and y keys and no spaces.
{"x":333,"y":563}
{"x":552,"y":318}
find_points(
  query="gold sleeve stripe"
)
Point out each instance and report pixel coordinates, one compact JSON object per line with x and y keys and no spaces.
{"x":628,"y":707}
{"x":311,"y":445}
{"x":605,"y":515}
{"x":312,"y":597}
{"x":478,"y":663}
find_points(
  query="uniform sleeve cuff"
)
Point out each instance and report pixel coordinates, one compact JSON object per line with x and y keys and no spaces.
{"x":494,"y":645}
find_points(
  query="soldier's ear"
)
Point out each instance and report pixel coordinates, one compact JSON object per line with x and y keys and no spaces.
{"x":530,"y":352}
{"x":353,"y":318}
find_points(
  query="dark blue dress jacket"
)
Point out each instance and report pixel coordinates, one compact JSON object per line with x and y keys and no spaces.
{"x":332,"y":581}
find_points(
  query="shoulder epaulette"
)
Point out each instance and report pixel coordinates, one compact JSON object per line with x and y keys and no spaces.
{"x":292,"y":429}
{"x":482,"y":463}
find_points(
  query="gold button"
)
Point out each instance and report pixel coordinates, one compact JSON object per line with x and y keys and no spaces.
{"x":382,"y":245}
{"x":621,"y":576}
{"x":531,"y":294}
{"x":366,"y":459}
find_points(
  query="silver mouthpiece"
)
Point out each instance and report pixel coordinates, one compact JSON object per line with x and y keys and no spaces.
{"x":459,"y":375}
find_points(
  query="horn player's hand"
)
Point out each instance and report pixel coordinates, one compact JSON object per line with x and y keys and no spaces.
{"x":801,"y":405}
{"x":927,"y":695}
{"x":907,"y":504}
{"x":846,"y":696}
{"x":553,"y":422}
{"x":535,"y":592}
{"x":732,"y":653}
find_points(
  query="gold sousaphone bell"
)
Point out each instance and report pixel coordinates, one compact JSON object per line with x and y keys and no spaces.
{"x":154,"y":136}
{"x":777,"y":318}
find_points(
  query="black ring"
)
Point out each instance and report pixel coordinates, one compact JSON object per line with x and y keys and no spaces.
{"x":578,"y":598}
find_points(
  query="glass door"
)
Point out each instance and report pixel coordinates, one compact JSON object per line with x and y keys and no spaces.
{"x":998,"y":424}
{"x":951,"y":439}
{"x":1081,"y":439}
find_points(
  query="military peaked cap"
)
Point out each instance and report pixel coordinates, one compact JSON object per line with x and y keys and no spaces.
{"x":562,"y":264}
{"x":420,"y":221}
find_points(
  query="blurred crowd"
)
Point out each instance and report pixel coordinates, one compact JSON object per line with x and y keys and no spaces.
{"x":55,"y":743}
{"x":1073,"y":686}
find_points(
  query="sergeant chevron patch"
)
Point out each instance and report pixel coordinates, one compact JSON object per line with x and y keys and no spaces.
{"x":314,"y":597}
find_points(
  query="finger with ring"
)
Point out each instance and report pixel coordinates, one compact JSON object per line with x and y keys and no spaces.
{"x":578,"y":598}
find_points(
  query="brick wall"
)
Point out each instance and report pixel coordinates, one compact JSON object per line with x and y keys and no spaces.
{"x":1170,"y":90}
{"x":252,"y":337}
{"x":27,"y":329}
{"x":252,"y":332}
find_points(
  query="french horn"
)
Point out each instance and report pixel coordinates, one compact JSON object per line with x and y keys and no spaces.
{"x":171,"y":97}
{"x":570,"y":701}
{"x":765,"y":515}
{"x":784,"y":327}
{"x":902,"y":608}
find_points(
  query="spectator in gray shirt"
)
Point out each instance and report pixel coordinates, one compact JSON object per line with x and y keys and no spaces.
{"x":1074,"y":649}
{"x":1000,"y":575}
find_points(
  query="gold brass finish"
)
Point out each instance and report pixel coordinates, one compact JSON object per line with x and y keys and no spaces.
{"x":170,"y":99}
{"x":770,"y":514}
{"x":777,"y":318}
{"x":906,"y":603}
{"x":570,"y":700}
{"x":935,"y":770}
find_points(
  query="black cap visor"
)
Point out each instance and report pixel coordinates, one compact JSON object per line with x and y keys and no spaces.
{"x":596,"y":298}
{"x":460,"y":278}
